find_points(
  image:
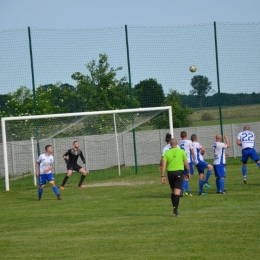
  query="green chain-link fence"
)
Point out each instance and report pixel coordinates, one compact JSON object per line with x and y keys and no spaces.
{"x":129,"y":66}
{"x":72,"y":66}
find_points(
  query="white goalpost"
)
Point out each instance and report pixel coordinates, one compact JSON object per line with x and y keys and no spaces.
{"x":107,"y":139}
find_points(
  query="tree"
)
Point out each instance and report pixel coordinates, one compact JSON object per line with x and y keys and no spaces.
{"x":50,"y":99}
{"x":99,"y":89}
{"x":149,"y":93}
{"x":201,"y":87}
{"x":3,"y":100}
{"x":180,"y":115}
{"x":56,"y":98}
{"x":19,"y":103}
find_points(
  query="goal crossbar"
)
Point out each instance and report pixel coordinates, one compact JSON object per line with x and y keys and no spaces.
{"x":105,"y":112}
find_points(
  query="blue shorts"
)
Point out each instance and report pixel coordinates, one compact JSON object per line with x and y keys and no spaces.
{"x":45,"y":177}
{"x":220,"y":170}
{"x":201,"y":166}
{"x":249,"y":152}
{"x":191,"y":169}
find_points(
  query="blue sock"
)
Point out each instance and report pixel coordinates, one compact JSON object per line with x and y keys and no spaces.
{"x":56,"y":191}
{"x":222,"y":184}
{"x":40,"y":191}
{"x":258,"y":165}
{"x":183,"y":186}
{"x":207,"y":176}
{"x":187,"y":186}
{"x":244,"y":170}
{"x":217,"y":184}
{"x":201,"y":186}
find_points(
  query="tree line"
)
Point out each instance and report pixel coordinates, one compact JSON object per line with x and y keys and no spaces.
{"x":99,"y":89}
{"x":227,"y":99}
{"x":96,"y":90}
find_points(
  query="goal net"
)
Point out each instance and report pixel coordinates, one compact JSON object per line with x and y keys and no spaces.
{"x":114,"y":142}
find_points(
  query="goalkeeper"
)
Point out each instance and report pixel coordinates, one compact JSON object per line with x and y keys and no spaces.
{"x":72,"y":165}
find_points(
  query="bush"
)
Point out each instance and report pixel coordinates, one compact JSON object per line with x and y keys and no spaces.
{"x":206,"y":116}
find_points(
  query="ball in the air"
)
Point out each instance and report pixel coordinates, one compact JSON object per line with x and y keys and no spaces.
{"x":193,"y":68}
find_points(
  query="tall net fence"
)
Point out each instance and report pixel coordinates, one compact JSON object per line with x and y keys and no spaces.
{"x":239,"y":60}
{"x":132,"y":66}
{"x":88,"y":70}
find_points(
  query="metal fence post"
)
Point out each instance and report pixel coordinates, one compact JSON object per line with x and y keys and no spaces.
{"x":219,"y":93}
{"x":131,"y":95}
{"x":34,"y":95}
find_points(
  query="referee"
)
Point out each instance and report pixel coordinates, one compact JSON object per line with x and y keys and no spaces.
{"x":174,"y":161}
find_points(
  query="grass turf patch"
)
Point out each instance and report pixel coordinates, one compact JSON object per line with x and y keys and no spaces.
{"x":133,"y":221}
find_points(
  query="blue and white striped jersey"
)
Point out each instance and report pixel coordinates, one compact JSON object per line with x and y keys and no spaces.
{"x":186,"y":145}
{"x":197,"y":154}
{"x":219,"y":153}
{"x":247,"y":139}
{"x":44,"y":162}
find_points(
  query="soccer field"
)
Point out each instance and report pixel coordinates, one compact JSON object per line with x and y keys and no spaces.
{"x":131,"y":218}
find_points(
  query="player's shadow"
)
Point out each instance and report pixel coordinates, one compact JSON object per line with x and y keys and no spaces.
{"x":149,"y":214}
{"x":152,"y":196}
{"x":245,"y":185}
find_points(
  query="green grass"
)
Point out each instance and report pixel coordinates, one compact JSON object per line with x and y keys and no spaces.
{"x":226,"y":121}
{"x":26,"y":180}
{"x":230,"y":115}
{"x":119,"y":221}
{"x":229,"y":112}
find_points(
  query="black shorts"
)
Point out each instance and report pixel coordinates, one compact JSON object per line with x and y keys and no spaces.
{"x":74,"y":167}
{"x":175,"y":179}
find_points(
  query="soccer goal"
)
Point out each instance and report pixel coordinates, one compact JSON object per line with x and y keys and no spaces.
{"x":108,"y":139}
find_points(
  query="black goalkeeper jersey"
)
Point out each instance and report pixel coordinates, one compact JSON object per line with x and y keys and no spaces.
{"x":74,"y":155}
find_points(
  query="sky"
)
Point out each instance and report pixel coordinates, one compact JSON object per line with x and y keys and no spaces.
{"x":165,"y":38}
{"x":106,"y":13}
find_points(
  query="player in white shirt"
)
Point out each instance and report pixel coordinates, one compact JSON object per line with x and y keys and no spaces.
{"x":43,"y":167}
{"x":168,"y":138}
{"x":246,"y":139}
{"x":201,"y":165}
{"x":220,"y":162}
{"x":186,"y":145}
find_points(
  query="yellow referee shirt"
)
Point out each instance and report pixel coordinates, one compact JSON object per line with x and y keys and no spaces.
{"x":175,"y":158}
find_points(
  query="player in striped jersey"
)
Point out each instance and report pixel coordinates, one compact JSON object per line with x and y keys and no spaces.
{"x":201,"y":165}
{"x":246,"y":139}
{"x":220,"y":162}
{"x":43,"y":167}
{"x":168,"y":138}
{"x":186,"y":145}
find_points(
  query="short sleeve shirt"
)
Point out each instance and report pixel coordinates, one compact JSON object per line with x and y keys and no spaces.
{"x":186,"y":145}
{"x":175,"y":158}
{"x":166,"y":148}
{"x":219,"y":153}
{"x":247,"y":139}
{"x":196,"y":148}
{"x":45,"y":161}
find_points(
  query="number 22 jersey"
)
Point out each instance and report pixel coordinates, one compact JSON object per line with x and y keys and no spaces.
{"x":247,"y":139}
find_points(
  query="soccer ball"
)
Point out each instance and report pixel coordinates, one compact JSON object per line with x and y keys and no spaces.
{"x":193,"y":68}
